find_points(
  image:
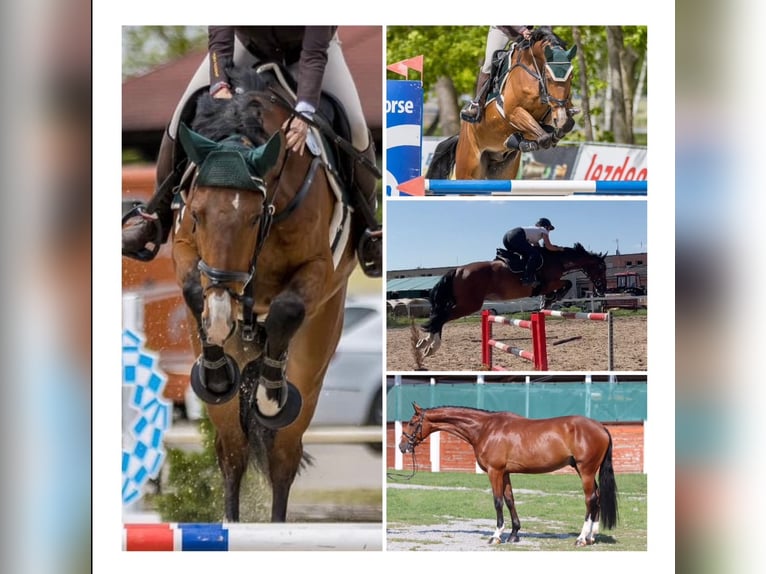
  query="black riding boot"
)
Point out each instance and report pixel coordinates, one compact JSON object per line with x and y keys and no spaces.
{"x":367,"y":231}
{"x":529,"y":277}
{"x":472,"y":112}
{"x":146,"y":227}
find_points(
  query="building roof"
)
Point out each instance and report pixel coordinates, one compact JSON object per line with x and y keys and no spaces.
{"x":148,"y":100}
{"x":412,"y":283}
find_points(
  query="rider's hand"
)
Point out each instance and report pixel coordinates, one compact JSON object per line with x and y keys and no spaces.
{"x":297,"y":131}
{"x":223,"y":93}
{"x":527,"y":33}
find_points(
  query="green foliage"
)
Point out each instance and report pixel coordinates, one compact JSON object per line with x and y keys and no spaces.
{"x":195,"y":488}
{"x":453,"y":51}
{"x":145,"y":47}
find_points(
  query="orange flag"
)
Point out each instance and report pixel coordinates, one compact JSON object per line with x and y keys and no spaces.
{"x":404,"y":66}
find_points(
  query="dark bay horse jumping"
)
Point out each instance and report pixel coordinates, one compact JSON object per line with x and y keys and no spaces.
{"x":463,"y":290}
{"x":263,"y":251}
{"x":505,"y":442}
{"x":532,"y":111}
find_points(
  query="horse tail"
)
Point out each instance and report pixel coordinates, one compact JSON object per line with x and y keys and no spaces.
{"x":607,"y":488}
{"x":442,"y":298}
{"x":443,"y":160}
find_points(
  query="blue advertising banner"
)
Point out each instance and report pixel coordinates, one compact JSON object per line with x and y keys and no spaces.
{"x":404,"y":130}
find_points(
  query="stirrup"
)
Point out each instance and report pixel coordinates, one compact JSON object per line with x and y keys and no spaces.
{"x":144,"y":254}
{"x":466,"y":116}
{"x":368,"y":252}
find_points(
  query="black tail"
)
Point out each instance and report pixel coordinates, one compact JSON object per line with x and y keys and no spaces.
{"x":442,"y":300}
{"x":443,"y":160}
{"x":607,"y":490}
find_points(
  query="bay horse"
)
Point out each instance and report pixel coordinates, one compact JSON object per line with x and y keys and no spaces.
{"x":505,"y":442}
{"x":532,"y":111}
{"x":463,"y":290}
{"x":264,"y":269}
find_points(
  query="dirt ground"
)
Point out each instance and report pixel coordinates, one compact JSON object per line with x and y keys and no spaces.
{"x":461,"y":346}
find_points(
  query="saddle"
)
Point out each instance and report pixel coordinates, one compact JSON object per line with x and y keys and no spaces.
{"x":501,"y":65}
{"x":515,"y":261}
{"x":271,"y":76}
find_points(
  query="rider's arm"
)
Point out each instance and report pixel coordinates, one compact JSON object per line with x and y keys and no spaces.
{"x":313,"y":61}
{"x":550,"y":246}
{"x":220,"y":44}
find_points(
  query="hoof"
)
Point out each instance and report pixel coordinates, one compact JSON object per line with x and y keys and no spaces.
{"x":580,"y":543}
{"x":514,"y":538}
{"x":215,"y":386}
{"x":494,"y":540}
{"x":287,"y":415}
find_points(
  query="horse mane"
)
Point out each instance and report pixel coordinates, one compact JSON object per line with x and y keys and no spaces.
{"x":580,"y":250}
{"x":540,"y":34}
{"x":217,"y":119}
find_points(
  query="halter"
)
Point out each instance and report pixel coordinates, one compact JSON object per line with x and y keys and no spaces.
{"x":412,"y":439}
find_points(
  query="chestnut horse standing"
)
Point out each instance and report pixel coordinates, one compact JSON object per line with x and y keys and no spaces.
{"x":532,"y":112}
{"x":463,"y":290}
{"x":264,"y":275}
{"x":506,"y":442}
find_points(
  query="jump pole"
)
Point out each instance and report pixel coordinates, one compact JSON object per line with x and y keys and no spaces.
{"x":536,"y":324}
{"x":607,"y":317}
{"x":233,"y":536}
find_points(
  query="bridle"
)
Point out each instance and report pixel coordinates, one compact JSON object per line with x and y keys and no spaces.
{"x":416,"y":437}
{"x":542,"y":79}
{"x":220,"y":278}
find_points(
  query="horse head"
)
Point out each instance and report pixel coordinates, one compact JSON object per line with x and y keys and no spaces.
{"x":415,"y":432}
{"x":555,"y":65}
{"x":231,"y":216}
{"x":594,"y":266}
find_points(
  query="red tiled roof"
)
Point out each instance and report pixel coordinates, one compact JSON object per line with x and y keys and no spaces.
{"x":148,"y":100}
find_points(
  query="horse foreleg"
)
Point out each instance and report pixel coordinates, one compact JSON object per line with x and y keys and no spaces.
{"x":311,"y":350}
{"x":531,"y":130}
{"x":496,"y":482}
{"x":232,"y":452}
{"x":508,"y":495}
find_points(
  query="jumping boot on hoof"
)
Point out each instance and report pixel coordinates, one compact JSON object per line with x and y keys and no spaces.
{"x":215,"y":382}
{"x":282,"y":392}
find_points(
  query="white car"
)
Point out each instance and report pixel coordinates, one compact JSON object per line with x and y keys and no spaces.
{"x":352,"y":393}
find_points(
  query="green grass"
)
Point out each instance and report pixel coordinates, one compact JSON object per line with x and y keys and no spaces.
{"x":552,"y":507}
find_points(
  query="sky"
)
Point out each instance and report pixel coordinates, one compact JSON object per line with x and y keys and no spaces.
{"x":445,"y":232}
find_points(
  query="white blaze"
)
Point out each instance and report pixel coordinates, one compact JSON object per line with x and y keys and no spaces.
{"x":235,"y":202}
{"x":219,"y":321}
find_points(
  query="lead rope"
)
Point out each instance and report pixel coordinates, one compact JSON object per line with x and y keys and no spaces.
{"x":399,"y":477}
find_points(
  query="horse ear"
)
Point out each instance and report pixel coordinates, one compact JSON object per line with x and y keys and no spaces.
{"x":548,"y":53}
{"x":416,"y":407}
{"x":265,"y":157}
{"x":572,"y":52}
{"x":197,"y":147}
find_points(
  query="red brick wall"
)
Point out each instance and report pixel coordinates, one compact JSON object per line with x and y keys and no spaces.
{"x":457,"y":455}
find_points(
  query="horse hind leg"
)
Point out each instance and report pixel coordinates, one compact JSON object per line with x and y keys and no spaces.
{"x":232,"y":453}
{"x":590,"y":525}
{"x":496,"y":482}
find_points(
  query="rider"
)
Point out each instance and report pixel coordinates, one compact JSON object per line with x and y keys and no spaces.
{"x":497,"y":38}
{"x":313,"y":56}
{"x":523,"y":240}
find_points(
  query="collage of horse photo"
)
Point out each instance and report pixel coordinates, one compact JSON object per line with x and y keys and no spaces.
{"x":382,"y":284}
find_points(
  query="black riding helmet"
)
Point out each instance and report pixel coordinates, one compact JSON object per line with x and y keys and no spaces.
{"x":545,"y":222}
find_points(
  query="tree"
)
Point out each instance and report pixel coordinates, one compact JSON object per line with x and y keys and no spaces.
{"x":453,"y":56}
{"x":622,"y":131}
{"x":583,"y":75}
{"x":145,"y":47}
